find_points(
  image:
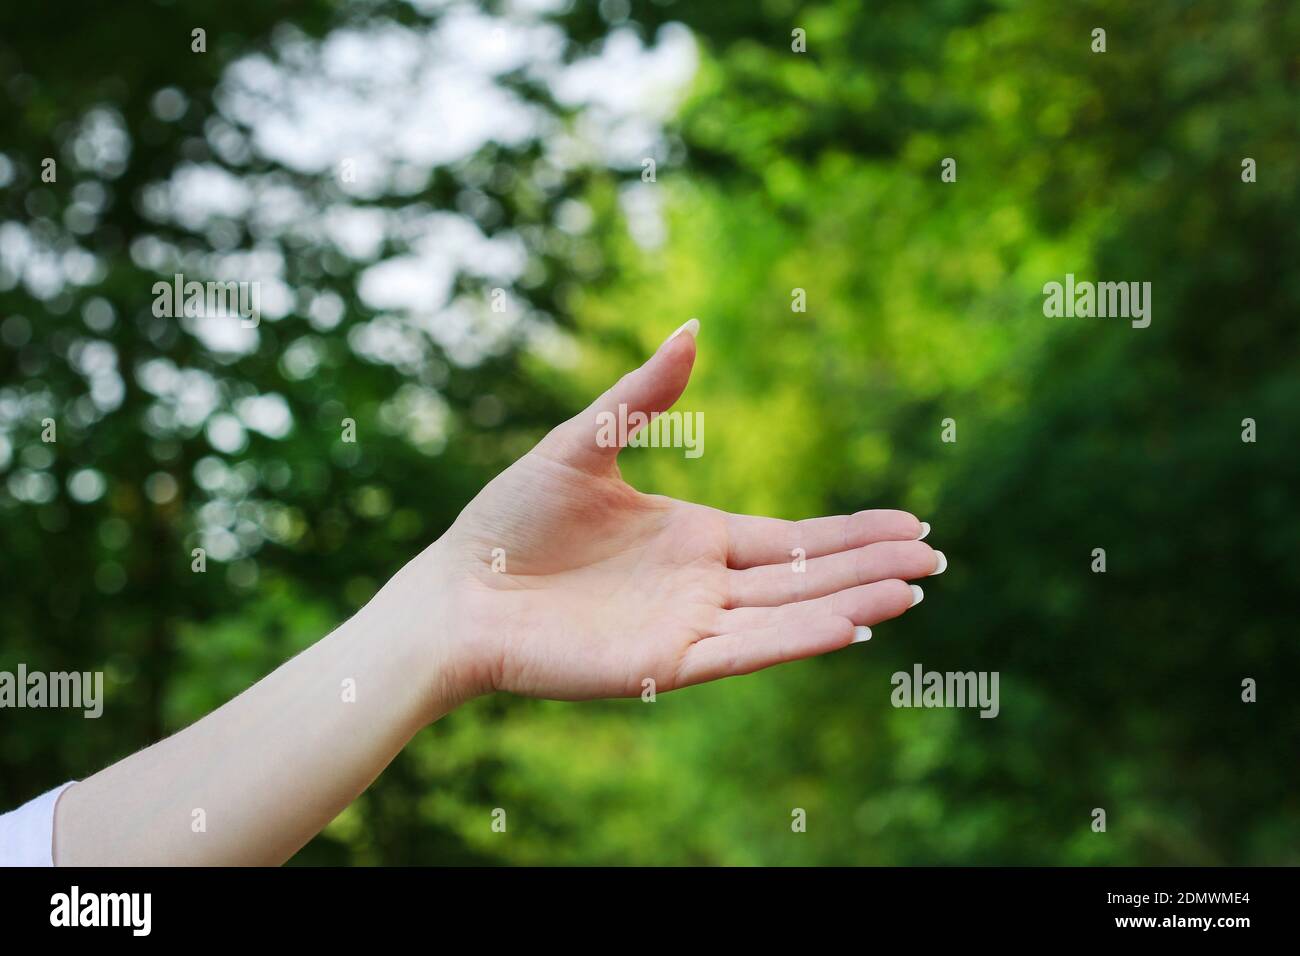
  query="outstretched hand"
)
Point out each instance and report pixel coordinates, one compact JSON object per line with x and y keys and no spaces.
{"x":560,"y":580}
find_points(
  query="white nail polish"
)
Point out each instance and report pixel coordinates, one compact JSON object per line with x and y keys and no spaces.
{"x":861,"y":633}
{"x":690,"y":325}
{"x":917,"y":595}
{"x":925,"y":529}
{"x":941,"y":564}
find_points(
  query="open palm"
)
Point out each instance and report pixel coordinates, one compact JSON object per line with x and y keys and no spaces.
{"x":571,"y":584}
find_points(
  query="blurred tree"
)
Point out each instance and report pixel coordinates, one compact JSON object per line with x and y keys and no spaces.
{"x":174,"y":434}
{"x":1123,"y":690}
{"x":817,"y":171}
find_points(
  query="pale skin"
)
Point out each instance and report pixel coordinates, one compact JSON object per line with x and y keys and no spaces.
{"x":604,"y":588}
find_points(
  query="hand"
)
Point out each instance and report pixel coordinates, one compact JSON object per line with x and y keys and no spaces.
{"x":598,"y":587}
{"x":603,"y":588}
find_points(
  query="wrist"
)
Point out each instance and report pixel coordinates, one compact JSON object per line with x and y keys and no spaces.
{"x":417,"y":611}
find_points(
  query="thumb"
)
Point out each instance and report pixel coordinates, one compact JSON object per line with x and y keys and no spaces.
{"x":593,"y":438}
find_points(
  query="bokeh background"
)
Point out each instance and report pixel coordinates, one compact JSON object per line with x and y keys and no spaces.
{"x":503,"y":146}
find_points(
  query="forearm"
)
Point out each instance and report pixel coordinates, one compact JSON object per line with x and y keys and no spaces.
{"x":271,"y":768}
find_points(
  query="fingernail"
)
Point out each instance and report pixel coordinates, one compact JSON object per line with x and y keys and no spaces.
{"x":941,"y":564}
{"x":917,"y":595}
{"x":861,"y":633}
{"x":925,"y":529}
{"x":691,"y":325}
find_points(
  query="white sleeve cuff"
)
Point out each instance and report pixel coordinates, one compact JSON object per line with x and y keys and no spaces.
{"x":27,"y":834}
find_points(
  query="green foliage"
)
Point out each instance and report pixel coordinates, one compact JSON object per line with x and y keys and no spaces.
{"x":817,"y":171}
